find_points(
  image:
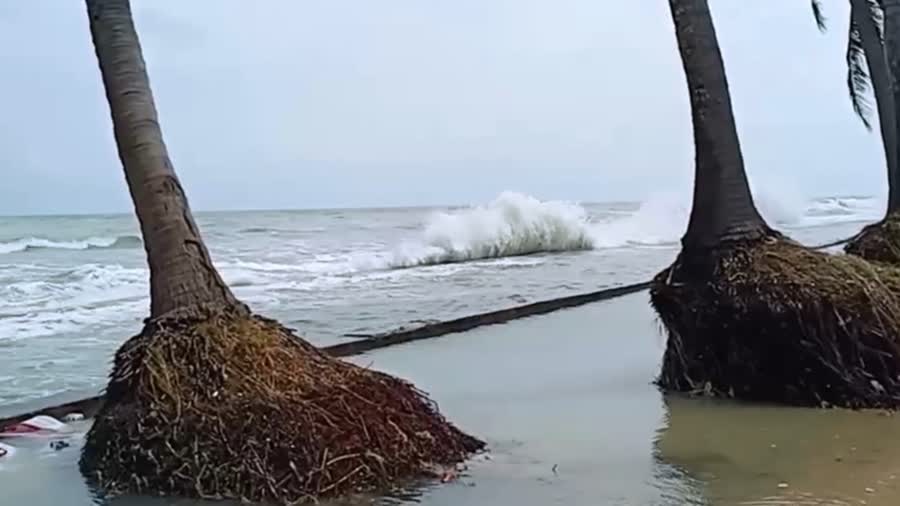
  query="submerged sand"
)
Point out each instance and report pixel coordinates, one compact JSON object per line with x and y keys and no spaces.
{"x":566,"y":405}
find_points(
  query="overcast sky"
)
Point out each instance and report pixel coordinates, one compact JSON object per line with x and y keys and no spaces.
{"x":302,"y":103}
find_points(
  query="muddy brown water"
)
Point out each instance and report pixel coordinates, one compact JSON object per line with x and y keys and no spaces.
{"x":566,"y":404}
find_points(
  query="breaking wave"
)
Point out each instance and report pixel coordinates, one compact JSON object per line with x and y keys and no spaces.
{"x":44,"y":298}
{"x":35,"y":243}
{"x":513,"y":224}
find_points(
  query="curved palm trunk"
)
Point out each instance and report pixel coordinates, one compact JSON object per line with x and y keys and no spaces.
{"x":181,"y":271}
{"x":891,"y":10}
{"x":877,"y":60}
{"x":723,"y":206}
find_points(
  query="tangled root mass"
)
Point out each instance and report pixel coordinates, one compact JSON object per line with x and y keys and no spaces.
{"x":879,"y":242}
{"x":222,"y":404}
{"x":769,"y":320}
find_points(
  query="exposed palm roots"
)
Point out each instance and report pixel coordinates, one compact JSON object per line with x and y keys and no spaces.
{"x":770,"y":320}
{"x":879,"y":242}
{"x":222,"y":404}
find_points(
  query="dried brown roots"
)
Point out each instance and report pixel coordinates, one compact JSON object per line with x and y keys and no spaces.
{"x":879,"y":242}
{"x":770,"y":320}
{"x":224,"y":405}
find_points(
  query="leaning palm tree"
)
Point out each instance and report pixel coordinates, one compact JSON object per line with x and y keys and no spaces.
{"x":209,"y":399}
{"x":872,"y":62}
{"x":750,"y":313}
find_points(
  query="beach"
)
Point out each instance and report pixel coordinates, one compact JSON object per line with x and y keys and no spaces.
{"x":564,"y":400}
{"x":566,"y":405}
{"x":278,"y":340}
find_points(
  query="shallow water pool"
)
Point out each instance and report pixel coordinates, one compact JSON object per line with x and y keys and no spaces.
{"x":566,"y":405}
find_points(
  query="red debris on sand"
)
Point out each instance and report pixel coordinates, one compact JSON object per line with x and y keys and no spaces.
{"x":41,"y":425}
{"x":19,"y":428}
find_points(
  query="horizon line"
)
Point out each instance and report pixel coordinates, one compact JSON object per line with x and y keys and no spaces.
{"x":355,"y":208}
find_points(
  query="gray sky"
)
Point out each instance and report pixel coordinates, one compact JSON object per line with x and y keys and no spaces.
{"x":302,"y":103}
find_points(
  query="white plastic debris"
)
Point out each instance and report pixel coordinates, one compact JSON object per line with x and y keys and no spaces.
{"x":6,"y":451}
{"x":73,"y":417}
{"x":38,"y":426}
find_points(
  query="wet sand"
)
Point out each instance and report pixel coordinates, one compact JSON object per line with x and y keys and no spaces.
{"x":566,"y":405}
{"x":743,"y":453}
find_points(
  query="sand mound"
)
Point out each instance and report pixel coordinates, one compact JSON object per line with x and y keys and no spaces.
{"x":770,"y":320}
{"x":879,"y":242}
{"x":221,"y":404}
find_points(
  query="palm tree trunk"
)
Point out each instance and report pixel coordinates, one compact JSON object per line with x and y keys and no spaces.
{"x":723,"y":207}
{"x":181,"y":271}
{"x":891,"y":10}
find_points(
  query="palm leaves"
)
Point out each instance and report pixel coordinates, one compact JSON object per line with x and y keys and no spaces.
{"x":859,"y":80}
{"x":818,"y":14}
{"x":868,"y":70}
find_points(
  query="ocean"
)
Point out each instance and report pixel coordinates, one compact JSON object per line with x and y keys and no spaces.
{"x":73,"y":288}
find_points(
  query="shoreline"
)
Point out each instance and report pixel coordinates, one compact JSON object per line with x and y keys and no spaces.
{"x":91,"y":405}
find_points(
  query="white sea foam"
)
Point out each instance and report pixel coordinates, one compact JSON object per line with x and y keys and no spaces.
{"x":516,"y":224}
{"x":31,"y":243}
{"x":46,"y":298}
{"x":831,"y":210}
{"x":84,"y":285}
{"x":512,"y":224}
{"x":69,"y":299}
{"x":662,"y":219}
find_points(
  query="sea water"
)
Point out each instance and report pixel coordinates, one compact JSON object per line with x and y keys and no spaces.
{"x":73,"y":288}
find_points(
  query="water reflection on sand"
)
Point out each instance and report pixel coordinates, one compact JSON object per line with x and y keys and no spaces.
{"x":747,"y":454}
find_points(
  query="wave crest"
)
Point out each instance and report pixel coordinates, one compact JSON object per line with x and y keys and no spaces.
{"x":513,"y":224}
{"x":36,"y":243}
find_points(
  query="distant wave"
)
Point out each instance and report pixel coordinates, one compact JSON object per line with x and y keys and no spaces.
{"x":271,"y":230}
{"x":662,"y":219}
{"x":862,"y":207}
{"x":36,"y":243}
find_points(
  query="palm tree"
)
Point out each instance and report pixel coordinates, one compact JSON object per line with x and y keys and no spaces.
{"x":891,"y":35}
{"x":181,"y":271}
{"x":723,"y":207}
{"x":872,"y":62}
{"x":750,"y":313}
{"x":210,"y":400}
{"x":865,"y":48}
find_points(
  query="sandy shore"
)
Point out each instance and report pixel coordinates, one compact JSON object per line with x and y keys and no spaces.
{"x":566,"y":405}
